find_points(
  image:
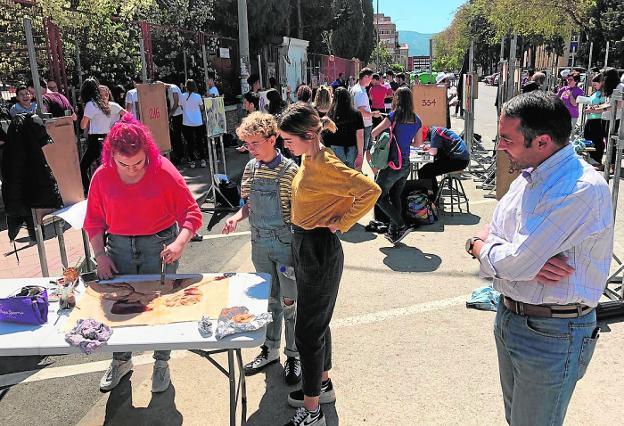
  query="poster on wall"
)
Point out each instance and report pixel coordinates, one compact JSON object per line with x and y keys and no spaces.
{"x":154,"y":114}
{"x":216,"y":123}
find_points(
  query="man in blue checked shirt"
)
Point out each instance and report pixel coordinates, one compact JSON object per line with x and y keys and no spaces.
{"x":548,"y":250}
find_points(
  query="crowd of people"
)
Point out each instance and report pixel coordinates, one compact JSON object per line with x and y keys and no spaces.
{"x":305,"y":183}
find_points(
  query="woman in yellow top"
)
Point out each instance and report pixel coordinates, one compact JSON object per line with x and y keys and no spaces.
{"x":327,"y":196}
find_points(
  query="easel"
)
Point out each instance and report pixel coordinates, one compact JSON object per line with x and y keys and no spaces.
{"x":480,"y":160}
{"x":614,"y":290}
{"x":213,"y":164}
{"x":39,"y":215}
{"x":509,"y":87}
{"x":215,"y":126}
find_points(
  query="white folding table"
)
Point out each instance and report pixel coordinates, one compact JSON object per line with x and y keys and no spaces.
{"x":250,"y":290}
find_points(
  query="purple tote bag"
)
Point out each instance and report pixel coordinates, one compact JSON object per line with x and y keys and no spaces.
{"x":28,"y":306}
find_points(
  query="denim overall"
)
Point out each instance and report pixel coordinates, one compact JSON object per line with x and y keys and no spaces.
{"x":271,"y":240}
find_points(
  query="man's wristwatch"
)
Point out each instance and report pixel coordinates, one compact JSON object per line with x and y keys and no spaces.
{"x":470,"y":245}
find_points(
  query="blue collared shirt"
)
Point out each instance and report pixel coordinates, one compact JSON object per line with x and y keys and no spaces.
{"x":563,"y":206}
{"x":273,"y":163}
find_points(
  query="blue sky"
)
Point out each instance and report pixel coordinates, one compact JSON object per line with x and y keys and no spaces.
{"x":424,"y":16}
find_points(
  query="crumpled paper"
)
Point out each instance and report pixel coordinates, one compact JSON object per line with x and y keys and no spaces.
{"x":229,"y":321}
{"x":88,"y":335}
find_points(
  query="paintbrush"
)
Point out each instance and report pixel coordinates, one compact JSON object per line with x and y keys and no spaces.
{"x":162,"y":268}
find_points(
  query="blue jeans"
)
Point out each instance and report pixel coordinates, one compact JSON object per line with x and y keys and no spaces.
{"x":368,"y":138}
{"x":347,"y":154}
{"x":540,"y":360}
{"x":269,"y":254}
{"x":137,"y":256}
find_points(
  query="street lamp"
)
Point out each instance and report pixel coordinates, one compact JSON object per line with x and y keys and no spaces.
{"x":378,"y":41}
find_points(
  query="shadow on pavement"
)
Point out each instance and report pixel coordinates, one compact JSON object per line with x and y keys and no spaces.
{"x":160,"y":411}
{"x":357,"y":234}
{"x":274,"y":409}
{"x":460,"y":219}
{"x":402,"y":258}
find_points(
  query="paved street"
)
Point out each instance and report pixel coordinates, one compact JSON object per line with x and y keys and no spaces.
{"x":406,"y":349}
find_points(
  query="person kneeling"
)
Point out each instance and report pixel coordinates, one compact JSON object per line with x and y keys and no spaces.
{"x":266,"y":187}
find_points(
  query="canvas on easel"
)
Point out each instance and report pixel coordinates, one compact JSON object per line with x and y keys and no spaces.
{"x":154,"y":114}
{"x":430,"y":104}
{"x":62,"y":157}
{"x":216,"y":123}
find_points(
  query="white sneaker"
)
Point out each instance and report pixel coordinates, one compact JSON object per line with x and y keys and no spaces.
{"x":161,"y":379}
{"x":203,"y":164}
{"x":116,"y":371}
{"x":304,"y":417}
{"x":266,"y":357}
{"x":191,"y":164}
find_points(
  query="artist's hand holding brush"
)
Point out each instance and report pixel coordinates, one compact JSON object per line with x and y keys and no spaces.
{"x":173,"y":251}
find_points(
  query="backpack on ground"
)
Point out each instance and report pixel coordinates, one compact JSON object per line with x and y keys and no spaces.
{"x":420,"y":209}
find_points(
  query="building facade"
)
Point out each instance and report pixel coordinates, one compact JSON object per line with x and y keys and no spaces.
{"x":388,"y":34}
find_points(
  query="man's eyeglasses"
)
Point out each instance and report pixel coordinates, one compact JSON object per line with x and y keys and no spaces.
{"x":256,"y":144}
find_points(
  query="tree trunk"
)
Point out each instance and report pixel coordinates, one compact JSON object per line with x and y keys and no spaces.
{"x":299,"y":21}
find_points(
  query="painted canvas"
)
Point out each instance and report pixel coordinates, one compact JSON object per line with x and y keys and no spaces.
{"x":216,"y":123}
{"x":129,"y":303}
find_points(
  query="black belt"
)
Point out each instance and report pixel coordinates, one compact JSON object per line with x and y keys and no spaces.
{"x":546,"y":311}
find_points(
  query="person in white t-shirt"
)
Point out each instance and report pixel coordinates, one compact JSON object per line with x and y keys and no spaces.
{"x":132,"y":98}
{"x":193,"y":124}
{"x":175,"y":117}
{"x":362,"y":104}
{"x":212,"y":89}
{"x":99,"y":116}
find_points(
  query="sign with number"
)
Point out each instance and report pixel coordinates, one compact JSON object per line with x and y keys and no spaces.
{"x":154,"y":114}
{"x":430,"y":104}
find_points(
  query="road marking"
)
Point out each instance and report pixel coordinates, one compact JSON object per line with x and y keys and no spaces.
{"x":380,"y":316}
{"x":93,"y":367}
{"x":73,"y":370}
{"x":217,"y":236}
{"x":486,"y":201}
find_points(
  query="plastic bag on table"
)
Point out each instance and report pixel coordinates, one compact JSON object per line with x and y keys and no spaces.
{"x":237,"y":319}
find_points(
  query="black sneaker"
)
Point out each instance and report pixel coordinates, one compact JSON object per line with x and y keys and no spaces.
{"x":292,"y":371}
{"x":303,"y":417}
{"x":327,"y":396}
{"x":265,"y":357}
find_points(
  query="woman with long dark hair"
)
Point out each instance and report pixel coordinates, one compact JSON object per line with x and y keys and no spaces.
{"x":327,"y":196}
{"x":594,"y":126}
{"x":193,"y":124}
{"x":611,"y":80}
{"x":276,"y":103}
{"x":99,"y":116}
{"x":404,"y":125}
{"x":348,"y":141}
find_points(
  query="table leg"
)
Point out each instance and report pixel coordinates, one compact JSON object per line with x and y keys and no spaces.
{"x":87,"y":250}
{"x":243,"y":387}
{"x":58,"y":229}
{"x":232,"y":377}
{"x":43,"y":261}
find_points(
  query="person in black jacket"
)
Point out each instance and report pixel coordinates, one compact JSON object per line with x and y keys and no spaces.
{"x":27,"y":179}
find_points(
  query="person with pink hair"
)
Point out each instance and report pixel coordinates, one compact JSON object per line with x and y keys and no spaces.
{"x":139,"y":211}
